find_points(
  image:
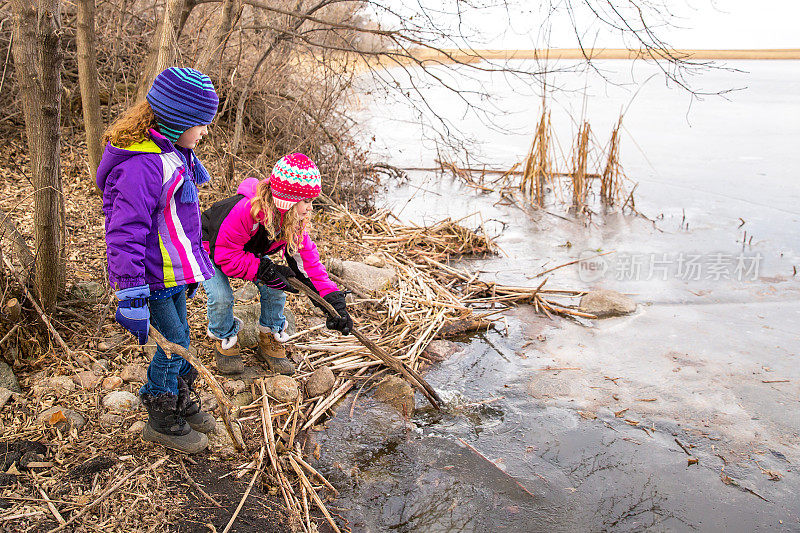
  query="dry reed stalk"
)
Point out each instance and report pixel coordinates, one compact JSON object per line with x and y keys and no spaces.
{"x":314,"y":496}
{"x":580,"y":156}
{"x":538,"y":164}
{"x":610,"y":180}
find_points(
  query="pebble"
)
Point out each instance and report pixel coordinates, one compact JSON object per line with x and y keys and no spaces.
{"x":320,"y":382}
{"x":282,"y":388}
{"x":70,"y":417}
{"x":121,"y":401}
{"x":133,"y":373}
{"x":136,"y":427}
{"x":86,"y":379}
{"x":604,"y":303}
{"x":112,"y":383}
{"x":439,"y":350}
{"x":100,"y":366}
{"x":111,"y":420}
{"x":234,"y":386}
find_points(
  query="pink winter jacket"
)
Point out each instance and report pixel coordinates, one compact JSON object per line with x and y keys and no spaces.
{"x":236,"y":241}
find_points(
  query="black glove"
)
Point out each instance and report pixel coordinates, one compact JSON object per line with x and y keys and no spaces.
{"x":343,"y":323}
{"x":275,"y":276}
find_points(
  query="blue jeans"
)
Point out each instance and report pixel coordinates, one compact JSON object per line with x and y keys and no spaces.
{"x":168,"y":316}
{"x":220,"y":306}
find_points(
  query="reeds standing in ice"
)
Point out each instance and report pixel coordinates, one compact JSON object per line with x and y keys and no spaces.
{"x":580,"y":180}
{"x":538,"y":165}
{"x":610,"y":180}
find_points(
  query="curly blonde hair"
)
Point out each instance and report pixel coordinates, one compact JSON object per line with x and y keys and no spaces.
{"x":132,"y":127}
{"x":263,"y":210}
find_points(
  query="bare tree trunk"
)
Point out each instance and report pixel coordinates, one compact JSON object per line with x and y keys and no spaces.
{"x":162,"y":53}
{"x":38,"y":60}
{"x":88,"y":79}
{"x":188,"y":6}
{"x":230,"y":12}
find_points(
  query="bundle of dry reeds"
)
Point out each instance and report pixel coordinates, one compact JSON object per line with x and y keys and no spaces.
{"x":538,"y":164}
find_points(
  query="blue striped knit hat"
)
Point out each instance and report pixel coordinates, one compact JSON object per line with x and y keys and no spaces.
{"x":182,"y":98}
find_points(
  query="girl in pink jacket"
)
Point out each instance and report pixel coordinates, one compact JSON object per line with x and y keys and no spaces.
{"x":265,"y":218}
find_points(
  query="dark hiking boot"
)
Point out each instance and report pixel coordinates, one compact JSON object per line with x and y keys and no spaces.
{"x":273,"y":353}
{"x":189,"y":406}
{"x":165,"y":427}
{"x":229,"y":360}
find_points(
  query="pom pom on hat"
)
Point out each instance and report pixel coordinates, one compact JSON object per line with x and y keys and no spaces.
{"x":182,"y":98}
{"x":294,"y":177}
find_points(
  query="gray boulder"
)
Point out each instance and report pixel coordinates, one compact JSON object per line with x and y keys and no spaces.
{"x":363,"y":276}
{"x":8,"y":379}
{"x":396,"y":392}
{"x":248,"y":292}
{"x":604,"y":303}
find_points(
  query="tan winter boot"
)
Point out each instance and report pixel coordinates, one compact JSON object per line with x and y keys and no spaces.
{"x":273,"y":353}
{"x":228,"y":358}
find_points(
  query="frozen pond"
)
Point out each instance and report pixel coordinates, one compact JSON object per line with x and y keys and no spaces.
{"x":709,"y":360}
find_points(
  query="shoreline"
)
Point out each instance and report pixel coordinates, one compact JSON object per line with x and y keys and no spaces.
{"x":686,"y":54}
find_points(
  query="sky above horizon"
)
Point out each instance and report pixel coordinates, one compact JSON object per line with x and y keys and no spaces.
{"x":715,"y":24}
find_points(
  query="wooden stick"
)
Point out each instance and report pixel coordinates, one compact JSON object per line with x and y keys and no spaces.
{"x":224,"y":403}
{"x":314,"y":471}
{"x":10,"y":332}
{"x":390,"y":361}
{"x":313,"y":493}
{"x":246,"y":492}
{"x":108,"y":492}
{"x":51,"y":506}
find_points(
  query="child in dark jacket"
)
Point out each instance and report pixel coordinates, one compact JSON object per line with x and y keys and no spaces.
{"x":149,"y":176}
{"x":241,"y":232}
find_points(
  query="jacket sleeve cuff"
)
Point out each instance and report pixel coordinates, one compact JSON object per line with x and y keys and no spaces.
{"x":142,"y":291}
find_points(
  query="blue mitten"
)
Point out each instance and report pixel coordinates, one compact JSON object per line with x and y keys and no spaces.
{"x":133,"y":313}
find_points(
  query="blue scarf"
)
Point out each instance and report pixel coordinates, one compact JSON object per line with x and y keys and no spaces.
{"x":196,"y":174}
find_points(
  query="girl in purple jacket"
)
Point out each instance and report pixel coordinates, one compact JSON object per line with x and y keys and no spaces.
{"x":149,"y":176}
{"x":266,"y":218}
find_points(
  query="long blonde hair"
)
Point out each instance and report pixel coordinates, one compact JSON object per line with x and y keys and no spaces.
{"x":132,"y":127}
{"x":263,"y":210}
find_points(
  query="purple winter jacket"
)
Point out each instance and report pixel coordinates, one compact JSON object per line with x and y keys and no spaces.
{"x":152,"y":238}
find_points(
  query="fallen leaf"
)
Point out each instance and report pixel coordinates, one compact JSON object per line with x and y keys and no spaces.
{"x":56,"y":417}
{"x":619,"y":413}
{"x":631,"y":422}
{"x":587,"y":415}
